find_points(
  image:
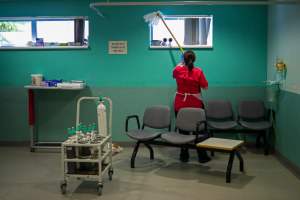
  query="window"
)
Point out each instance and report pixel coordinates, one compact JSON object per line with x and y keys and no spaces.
{"x":46,"y":32}
{"x":15,"y":33}
{"x":190,"y":32}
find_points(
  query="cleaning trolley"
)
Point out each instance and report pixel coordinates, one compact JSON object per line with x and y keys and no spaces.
{"x":87,"y":153}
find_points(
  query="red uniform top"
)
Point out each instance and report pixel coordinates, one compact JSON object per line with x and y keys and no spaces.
{"x":189,"y":84}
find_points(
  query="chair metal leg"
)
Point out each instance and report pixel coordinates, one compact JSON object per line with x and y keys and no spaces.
{"x":151,"y":151}
{"x":266,"y":142}
{"x":135,"y":150}
{"x":257,"y":144}
{"x":229,"y":167}
{"x":184,"y":154}
{"x":211,"y":134}
{"x":241,"y":161}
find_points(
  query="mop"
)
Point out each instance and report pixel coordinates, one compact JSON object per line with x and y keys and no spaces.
{"x":153,"y":18}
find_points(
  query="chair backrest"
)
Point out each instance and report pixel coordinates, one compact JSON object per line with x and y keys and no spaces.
{"x":187,"y":119}
{"x":157,"y":117}
{"x":252,"y":110}
{"x":219,"y":109}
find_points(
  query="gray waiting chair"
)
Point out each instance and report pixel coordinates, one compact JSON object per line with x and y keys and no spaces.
{"x":191,"y":120}
{"x":253,"y":117}
{"x":220,"y":116}
{"x":157,"y":118}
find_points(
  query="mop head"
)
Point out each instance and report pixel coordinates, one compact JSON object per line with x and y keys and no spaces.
{"x":153,"y":18}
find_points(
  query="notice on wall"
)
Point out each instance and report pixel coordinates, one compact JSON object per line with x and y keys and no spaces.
{"x":117,"y":47}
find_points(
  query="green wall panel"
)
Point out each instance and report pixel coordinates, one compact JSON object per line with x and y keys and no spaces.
{"x":238,"y":56}
{"x":56,"y":110}
{"x":287,"y":126}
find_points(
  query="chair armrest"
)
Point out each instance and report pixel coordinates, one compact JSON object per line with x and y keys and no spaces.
{"x":238,"y":117}
{"x":235,"y":116}
{"x":131,"y":117}
{"x":238,"y":120}
{"x":269,"y":112}
{"x":198,"y":131}
{"x":271,"y":116}
{"x":199,"y":123}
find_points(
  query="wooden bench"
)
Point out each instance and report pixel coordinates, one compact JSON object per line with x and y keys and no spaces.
{"x":227,"y":146}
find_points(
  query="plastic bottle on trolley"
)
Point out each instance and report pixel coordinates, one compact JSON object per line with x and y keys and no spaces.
{"x":102,"y":124}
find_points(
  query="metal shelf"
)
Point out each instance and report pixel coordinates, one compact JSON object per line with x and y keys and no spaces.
{"x":33,"y":87}
{"x":94,"y":167}
{"x":93,"y":160}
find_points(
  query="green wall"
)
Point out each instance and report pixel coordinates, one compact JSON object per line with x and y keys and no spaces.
{"x":235,"y":67}
{"x":284,"y":43}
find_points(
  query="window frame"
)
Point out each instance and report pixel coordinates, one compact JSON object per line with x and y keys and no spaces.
{"x":183,"y":46}
{"x":33,"y":21}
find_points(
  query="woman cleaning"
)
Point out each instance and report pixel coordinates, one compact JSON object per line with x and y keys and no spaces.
{"x":190,"y":80}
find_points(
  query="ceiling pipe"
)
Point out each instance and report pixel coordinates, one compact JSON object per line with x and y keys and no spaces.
{"x":94,"y":6}
{"x":193,"y":3}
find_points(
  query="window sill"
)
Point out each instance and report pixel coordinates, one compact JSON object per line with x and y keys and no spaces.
{"x":44,"y":48}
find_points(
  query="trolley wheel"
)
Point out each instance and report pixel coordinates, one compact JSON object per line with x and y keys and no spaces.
{"x":110,"y":174}
{"x":99,"y":189}
{"x":63,"y":188}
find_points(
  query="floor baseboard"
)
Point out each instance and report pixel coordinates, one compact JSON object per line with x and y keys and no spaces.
{"x":14,"y":143}
{"x":288,"y":164}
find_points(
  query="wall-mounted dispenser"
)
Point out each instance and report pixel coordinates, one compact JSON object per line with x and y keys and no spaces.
{"x":273,"y":86}
{"x":280,"y":70}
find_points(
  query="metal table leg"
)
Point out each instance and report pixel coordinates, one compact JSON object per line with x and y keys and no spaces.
{"x":34,"y":143}
{"x":241,"y":161}
{"x":229,"y":167}
{"x":31,"y":119}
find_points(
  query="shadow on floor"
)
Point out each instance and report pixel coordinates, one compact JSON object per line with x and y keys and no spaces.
{"x":88,"y":189}
{"x":204,"y":174}
{"x":142,"y":164}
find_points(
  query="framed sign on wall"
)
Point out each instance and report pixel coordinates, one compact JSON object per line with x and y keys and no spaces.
{"x":117,"y":47}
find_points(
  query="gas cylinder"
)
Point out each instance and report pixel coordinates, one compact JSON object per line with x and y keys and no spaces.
{"x":102,"y":126}
{"x":102,"y":123}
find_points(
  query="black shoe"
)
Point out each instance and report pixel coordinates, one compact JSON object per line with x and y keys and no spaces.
{"x":184,"y":155}
{"x":184,"y":160}
{"x":204,"y":160}
{"x":202,"y":156}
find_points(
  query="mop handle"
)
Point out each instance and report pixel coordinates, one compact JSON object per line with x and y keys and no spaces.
{"x":170,"y":32}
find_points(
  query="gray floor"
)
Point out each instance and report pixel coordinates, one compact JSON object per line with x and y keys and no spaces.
{"x":25,"y":175}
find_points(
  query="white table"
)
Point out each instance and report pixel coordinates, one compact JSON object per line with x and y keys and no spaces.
{"x":227,"y":146}
{"x":34,"y":143}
